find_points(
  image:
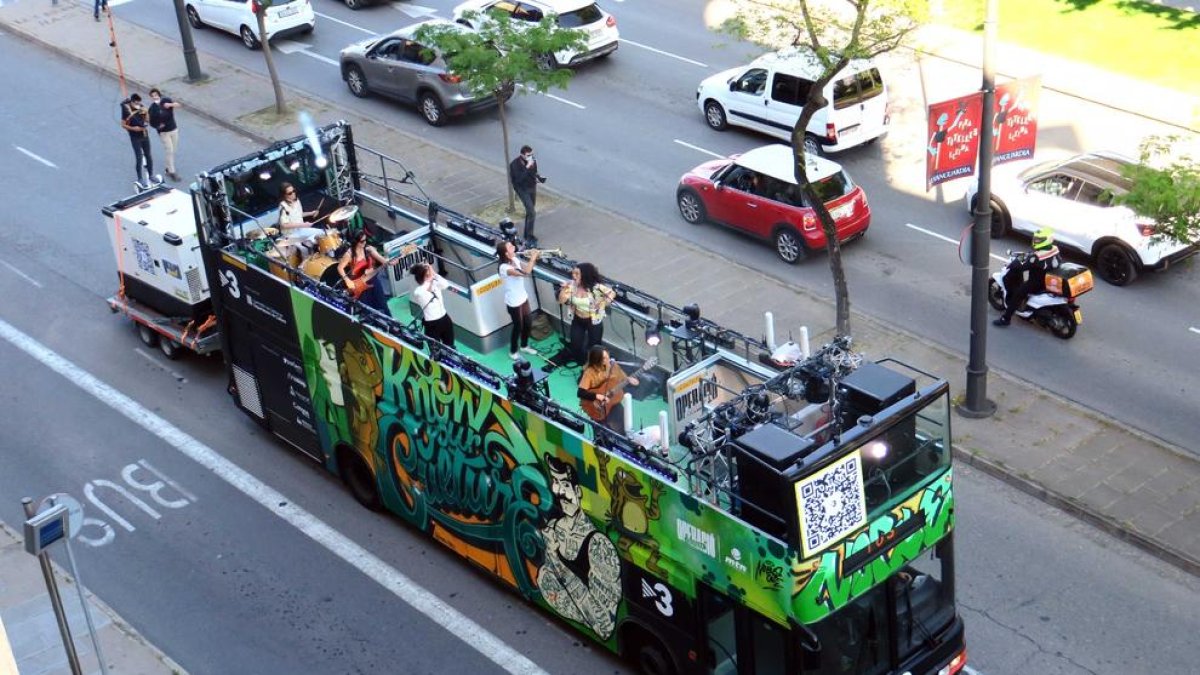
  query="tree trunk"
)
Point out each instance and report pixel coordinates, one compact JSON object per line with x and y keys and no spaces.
{"x":280,"y":105}
{"x":814,"y":102}
{"x":512,"y":205}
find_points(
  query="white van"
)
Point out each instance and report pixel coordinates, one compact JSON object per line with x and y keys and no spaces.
{"x":767,"y":96}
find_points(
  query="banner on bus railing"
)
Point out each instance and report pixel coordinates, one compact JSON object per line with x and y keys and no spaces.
{"x":954,"y":129}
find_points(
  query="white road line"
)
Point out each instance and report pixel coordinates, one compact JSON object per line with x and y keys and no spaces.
{"x":293,"y":47}
{"x":21,"y":274}
{"x":39,"y":158}
{"x":699,"y":149}
{"x":948,"y":239}
{"x":347,"y":24}
{"x":1194,"y":330}
{"x":154,"y":362}
{"x":556,"y":98}
{"x":281,"y":505}
{"x":659,"y":51}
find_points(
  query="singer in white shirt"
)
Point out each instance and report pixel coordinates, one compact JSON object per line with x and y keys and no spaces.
{"x":429,"y":296}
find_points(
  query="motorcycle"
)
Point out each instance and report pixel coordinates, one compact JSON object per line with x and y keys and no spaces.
{"x":1055,"y":308}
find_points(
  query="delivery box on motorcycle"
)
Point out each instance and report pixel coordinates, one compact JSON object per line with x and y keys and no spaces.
{"x":1069,"y":280}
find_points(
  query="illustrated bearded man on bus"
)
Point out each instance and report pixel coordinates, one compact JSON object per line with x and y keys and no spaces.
{"x":581,"y":576}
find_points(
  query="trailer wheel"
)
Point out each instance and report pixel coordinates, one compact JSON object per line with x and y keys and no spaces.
{"x":169,"y":348}
{"x":149,"y":337}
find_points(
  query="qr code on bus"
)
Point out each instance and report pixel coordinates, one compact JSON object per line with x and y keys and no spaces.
{"x":145,"y":261}
{"x":832,"y":504}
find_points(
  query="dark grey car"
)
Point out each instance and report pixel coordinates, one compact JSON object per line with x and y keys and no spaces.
{"x":395,"y":65}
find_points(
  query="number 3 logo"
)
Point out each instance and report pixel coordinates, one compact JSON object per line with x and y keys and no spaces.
{"x":229,"y":280}
{"x":662,"y":597}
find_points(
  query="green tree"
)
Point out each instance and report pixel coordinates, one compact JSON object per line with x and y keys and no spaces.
{"x":834,"y":32}
{"x":260,"y":13}
{"x":500,"y":57}
{"x":1165,"y":186}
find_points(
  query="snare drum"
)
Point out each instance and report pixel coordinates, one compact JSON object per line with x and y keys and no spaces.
{"x":329,"y":242}
{"x":321,"y":267}
{"x":275,"y":264}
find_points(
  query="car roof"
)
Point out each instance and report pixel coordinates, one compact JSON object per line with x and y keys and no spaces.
{"x":1103,"y":168}
{"x":409,"y":30}
{"x":562,"y":6}
{"x":777,"y":162}
{"x":801,"y":62}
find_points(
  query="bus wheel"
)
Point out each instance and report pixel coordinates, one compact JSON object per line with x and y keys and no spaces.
{"x":359,"y":479}
{"x":651,"y":657}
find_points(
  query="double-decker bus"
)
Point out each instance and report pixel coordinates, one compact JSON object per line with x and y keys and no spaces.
{"x":754,"y":516}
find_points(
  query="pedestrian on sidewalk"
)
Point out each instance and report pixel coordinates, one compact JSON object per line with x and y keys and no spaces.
{"x":162,"y":117}
{"x":523,"y":172}
{"x":135,"y":119}
{"x":100,"y":4}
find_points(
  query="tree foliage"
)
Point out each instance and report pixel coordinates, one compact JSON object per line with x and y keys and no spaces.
{"x":1165,"y":186}
{"x":833,"y":33}
{"x":501,"y":57}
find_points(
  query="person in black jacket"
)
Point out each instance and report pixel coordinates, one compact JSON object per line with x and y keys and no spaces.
{"x":523,"y":172}
{"x":1045,"y":257}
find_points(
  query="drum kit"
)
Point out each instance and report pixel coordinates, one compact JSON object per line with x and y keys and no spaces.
{"x":312,"y":252}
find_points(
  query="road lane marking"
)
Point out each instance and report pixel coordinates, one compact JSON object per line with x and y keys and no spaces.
{"x":659,"y":51}
{"x":39,"y":158}
{"x":948,"y":239}
{"x":347,"y":24}
{"x":699,"y":149}
{"x":281,"y":505}
{"x":415,"y":11}
{"x":549,"y":95}
{"x":21,"y":274}
{"x":1194,"y":330}
{"x":293,"y":47}
{"x":145,"y":355}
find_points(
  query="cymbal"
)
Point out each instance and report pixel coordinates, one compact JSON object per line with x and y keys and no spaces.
{"x":343,"y":213}
{"x":260,"y":232}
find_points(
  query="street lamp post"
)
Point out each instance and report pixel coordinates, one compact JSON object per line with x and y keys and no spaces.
{"x":976,"y":404}
{"x":189,"y":45}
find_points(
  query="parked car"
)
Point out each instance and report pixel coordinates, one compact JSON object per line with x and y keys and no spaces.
{"x":768,"y":95}
{"x":585,"y":15}
{"x":756,"y":193}
{"x":1073,"y":197}
{"x":283,"y":18}
{"x":396,"y":65}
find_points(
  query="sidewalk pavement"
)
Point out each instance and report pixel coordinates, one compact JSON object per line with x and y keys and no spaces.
{"x":27,"y":618}
{"x":1116,"y":478}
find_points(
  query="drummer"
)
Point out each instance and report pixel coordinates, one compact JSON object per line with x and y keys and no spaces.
{"x":292,"y":216}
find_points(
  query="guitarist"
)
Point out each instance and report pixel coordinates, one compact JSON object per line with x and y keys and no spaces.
{"x":358,"y":267}
{"x":601,"y":388}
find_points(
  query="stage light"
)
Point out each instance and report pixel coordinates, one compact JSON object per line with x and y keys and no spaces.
{"x":524,"y":372}
{"x":654,"y":333}
{"x":877,"y":450}
{"x":264,"y":175}
{"x":293,"y":165}
{"x":692,"y":312}
{"x":508,"y":228}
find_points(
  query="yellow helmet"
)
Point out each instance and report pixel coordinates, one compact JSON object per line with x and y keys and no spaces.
{"x":1043,"y":239}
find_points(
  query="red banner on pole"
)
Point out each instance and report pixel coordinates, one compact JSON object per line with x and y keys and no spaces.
{"x":1014,"y":121}
{"x":953,"y":134}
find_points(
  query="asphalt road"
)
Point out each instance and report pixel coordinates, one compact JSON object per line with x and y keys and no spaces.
{"x":629,"y":126}
{"x":223,"y":584}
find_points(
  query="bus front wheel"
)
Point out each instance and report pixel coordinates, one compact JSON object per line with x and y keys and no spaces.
{"x":359,"y":479}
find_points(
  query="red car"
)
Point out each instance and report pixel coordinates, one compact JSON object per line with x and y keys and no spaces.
{"x":756,"y":192}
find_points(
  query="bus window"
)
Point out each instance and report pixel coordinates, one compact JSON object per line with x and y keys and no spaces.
{"x":770,"y":647}
{"x":854,"y":640}
{"x":721,"y":632}
{"x":924,"y":602}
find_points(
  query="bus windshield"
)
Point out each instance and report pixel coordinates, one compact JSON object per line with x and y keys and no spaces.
{"x":908,"y":615}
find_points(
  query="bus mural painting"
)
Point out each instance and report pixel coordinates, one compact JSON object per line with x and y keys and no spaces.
{"x":673,"y":542}
{"x":157,"y":487}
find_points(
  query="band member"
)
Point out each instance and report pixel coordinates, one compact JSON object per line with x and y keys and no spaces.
{"x":429,"y":297}
{"x":135,"y":119}
{"x":601,"y":388}
{"x":291,"y":212}
{"x":516,"y":299}
{"x":358,"y":267}
{"x":588,"y":299}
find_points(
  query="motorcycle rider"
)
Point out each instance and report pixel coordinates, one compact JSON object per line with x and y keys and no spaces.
{"x":1045,"y":257}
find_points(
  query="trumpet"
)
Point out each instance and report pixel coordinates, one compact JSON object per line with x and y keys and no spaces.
{"x":546,"y":252}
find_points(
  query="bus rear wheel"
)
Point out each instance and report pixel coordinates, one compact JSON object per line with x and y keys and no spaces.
{"x":358,"y":479}
{"x":650,"y":657}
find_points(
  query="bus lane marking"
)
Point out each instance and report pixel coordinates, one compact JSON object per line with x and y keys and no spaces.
{"x":21,"y":274}
{"x":699,"y":149}
{"x":335,"y":542}
{"x":659,"y":51}
{"x":347,"y":24}
{"x":944,"y":238}
{"x":37,"y":157}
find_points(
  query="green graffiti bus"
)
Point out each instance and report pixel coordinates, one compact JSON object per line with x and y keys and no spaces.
{"x":751,"y":509}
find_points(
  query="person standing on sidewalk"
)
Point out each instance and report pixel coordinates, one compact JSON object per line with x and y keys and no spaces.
{"x":162,"y":117}
{"x":135,"y":119}
{"x":523,"y":172}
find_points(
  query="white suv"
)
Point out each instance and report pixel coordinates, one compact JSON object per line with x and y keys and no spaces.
{"x":284,"y":17}
{"x":585,"y":15}
{"x":768,"y":95}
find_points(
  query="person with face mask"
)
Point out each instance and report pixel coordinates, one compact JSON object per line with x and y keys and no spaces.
{"x":523,"y":172}
{"x":162,"y":118}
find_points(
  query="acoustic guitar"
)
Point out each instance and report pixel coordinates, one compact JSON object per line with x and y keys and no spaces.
{"x":599,"y":411}
{"x":356,"y":287}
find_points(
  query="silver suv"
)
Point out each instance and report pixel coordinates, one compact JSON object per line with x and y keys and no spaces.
{"x":396,"y":65}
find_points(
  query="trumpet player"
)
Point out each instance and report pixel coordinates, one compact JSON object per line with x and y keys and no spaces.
{"x":516,"y":298}
{"x":135,"y":119}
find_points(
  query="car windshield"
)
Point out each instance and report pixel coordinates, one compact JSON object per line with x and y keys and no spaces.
{"x":580,"y":17}
{"x":834,"y":186}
